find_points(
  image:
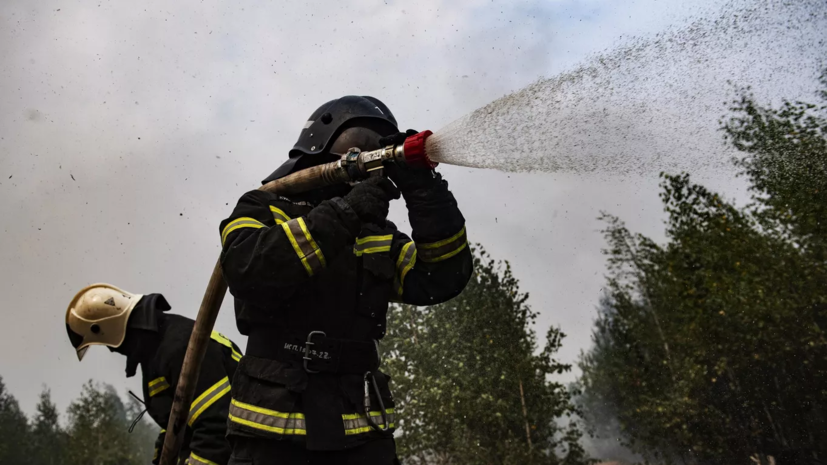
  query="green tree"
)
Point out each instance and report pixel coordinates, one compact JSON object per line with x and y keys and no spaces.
{"x":786,"y":162}
{"x":14,"y":429}
{"x":144,"y":432}
{"x":711,"y":348}
{"x":47,"y":437}
{"x":98,"y":430}
{"x":476,"y":391}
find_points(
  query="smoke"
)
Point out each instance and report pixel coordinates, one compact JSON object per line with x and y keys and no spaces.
{"x":606,"y":441}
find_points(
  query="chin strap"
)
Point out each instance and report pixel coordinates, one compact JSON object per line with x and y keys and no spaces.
{"x":140,"y":415}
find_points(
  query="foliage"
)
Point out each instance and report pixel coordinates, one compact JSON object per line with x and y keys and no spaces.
{"x":711,"y":348}
{"x":475,"y":389}
{"x":47,"y":437}
{"x":98,"y":426}
{"x":14,"y":429}
{"x":786,"y":163}
{"x":96,"y":433}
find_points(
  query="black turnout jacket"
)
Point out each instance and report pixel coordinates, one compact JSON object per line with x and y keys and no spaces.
{"x":205,"y":440}
{"x":312,"y":284}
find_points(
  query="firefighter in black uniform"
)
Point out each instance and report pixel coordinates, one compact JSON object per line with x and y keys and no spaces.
{"x":138,"y":327}
{"x":312,"y":276}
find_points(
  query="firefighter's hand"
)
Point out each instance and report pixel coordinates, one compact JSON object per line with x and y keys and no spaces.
{"x":396,"y":139}
{"x":406,"y":179}
{"x":370,"y":199}
{"x":409,"y":179}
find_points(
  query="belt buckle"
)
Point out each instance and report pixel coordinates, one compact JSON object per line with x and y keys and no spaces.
{"x":309,"y":342}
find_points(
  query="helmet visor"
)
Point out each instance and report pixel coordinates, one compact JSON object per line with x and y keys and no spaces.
{"x":77,"y":342}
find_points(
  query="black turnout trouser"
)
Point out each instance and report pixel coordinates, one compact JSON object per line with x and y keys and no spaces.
{"x":249,"y":451}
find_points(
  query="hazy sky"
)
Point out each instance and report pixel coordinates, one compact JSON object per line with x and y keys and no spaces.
{"x":129,"y":130}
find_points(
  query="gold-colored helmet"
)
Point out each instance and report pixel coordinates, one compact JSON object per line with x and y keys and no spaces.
{"x":98,"y":315}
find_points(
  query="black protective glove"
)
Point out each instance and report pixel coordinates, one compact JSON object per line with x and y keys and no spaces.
{"x":398,"y":138}
{"x":406,"y":178}
{"x":370,"y":199}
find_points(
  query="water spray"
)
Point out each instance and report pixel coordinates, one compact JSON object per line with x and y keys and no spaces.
{"x":355,"y":165}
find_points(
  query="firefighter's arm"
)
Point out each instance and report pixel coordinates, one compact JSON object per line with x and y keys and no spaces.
{"x":436,"y":265}
{"x":265,"y":253}
{"x":207,"y":418}
{"x":421,"y":281}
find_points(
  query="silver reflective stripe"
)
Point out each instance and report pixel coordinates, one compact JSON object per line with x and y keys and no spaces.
{"x":444,"y":249}
{"x":308,"y":124}
{"x":279,"y":215}
{"x":304,"y":245}
{"x":297,"y":234}
{"x":158,"y":385}
{"x":207,"y":398}
{"x":239,"y":223}
{"x":357,"y":423}
{"x":267,"y":420}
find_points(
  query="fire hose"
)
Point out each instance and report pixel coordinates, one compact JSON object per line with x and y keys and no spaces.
{"x":353,"y":166}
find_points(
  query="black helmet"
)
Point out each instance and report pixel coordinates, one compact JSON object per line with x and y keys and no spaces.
{"x":325,"y":125}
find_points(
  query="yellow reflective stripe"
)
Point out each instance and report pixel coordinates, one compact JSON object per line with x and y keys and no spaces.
{"x":364,"y":429}
{"x":449,"y":254}
{"x":312,"y":242}
{"x":283,"y":423}
{"x":365,"y":239}
{"x":372,"y":244}
{"x":157,"y":386}
{"x":279,"y":215}
{"x":405,"y":271}
{"x":308,"y":265}
{"x":434,"y":245}
{"x":303,"y":244}
{"x":358,"y":430}
{"x":208,"y":397}
{"x":221,"y":339}
{"x":239,"y":223}
{"x":226,"y":342}
{"x":266,"y":420}
{"x":408,"y":267}
{"x":404,"y":264}
{"x":373,"y":413}
{"x":155,"y":455}
{"x":443,"y":250}
{"x":357,"y":423}
{"x":272,"y":429}
{"x":384,"y":248}
{"x":196,"y":460}
{"x":402,"y":254}
{"x":295,"y":245}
